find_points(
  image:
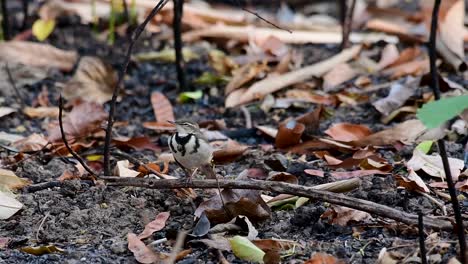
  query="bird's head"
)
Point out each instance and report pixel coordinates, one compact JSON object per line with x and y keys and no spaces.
{"x":186,"y":126}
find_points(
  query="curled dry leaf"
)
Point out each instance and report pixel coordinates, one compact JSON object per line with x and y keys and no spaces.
{"x":156,"y":225}
{"x":37,"y":54}
{"x":142,"y":253}
{"x":414,"y":68}
{"x":412,"y":182}
{"x":41,"y":112}
{"x":34,"y":142}
{"x":348,"y":132}
{"x":338,"y":75}
{"x":94,"y":81}
{"x":397,"y":97}
{"x":5,"y":110}
{"x":84,"y":119}
{"x":282,"y":177}
{"x":244,"y":75}
{"x":389,"y":55}
{"x":122,"y":169}
{"x":341,"y":215}
{"x":407,"y":55}
{"x":163,"y":112}
{"x":227,"y":151}
{"x":289,"y":134}
{"x":432,"y":164}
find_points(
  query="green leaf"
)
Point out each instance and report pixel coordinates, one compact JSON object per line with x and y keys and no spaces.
{"x":246,"y":250}
{"x":41,"y":29}
{"x":208,"y":78}
{"x":425,"y":146}
{"x":187,"y":96}
{"x":435,"y":113}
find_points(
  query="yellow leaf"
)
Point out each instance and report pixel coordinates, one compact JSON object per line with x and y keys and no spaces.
{"x":41,"y":29}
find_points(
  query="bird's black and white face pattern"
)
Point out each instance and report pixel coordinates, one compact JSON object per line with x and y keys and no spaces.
{"x":187,"y":146}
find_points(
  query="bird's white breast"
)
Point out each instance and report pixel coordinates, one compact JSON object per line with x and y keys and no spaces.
{"x":191,"y":155}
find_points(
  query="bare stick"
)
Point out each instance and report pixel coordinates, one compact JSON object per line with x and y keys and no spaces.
{"x":177,"y":247}
{"x":440,"y":143}
{"x":261,"y":18}
{"x":13,"y":85}
{"x":25,"y":15}
{"x":247,"y":116}
{"x":287,"y":188}
{"x":177,"y":27}
{"x":5,"y":22}
{"x":422,"y":246}
{"x":347,"y":22}
{"x":110,"y":122}
{"x":64,"y":139}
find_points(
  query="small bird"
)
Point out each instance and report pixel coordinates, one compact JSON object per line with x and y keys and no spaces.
{"x":191,"y":149}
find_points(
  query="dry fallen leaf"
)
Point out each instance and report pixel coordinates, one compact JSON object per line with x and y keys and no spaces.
{"x":389,"y":55}
{"x":41,"y":111}
{"x":227,"y":151}
{"x":337,"y":75}
{"x":122,"y":169}
{"x":8,"y":205}
{"x":37,"y":54}
{"x":313,"y":172}
{"x":34,"y":142}
{"x":412,"y":182}
{"x":432,"y":164}
{"x":348,"y":132}
{"x":353,"y":174}
{"x":162,"y":107}
{"x":289,"y":134}
{"x":323,"y":258}
{"x":9,"y":179}
{"x":137,"y":143}
{"x":142,"y":253}
{"x":341,"y":215}
{"x":94,"y":81}
{"x":244,"y":75}
{"x":4,"y":110}
{"x":84,"y":119}
{"x":156,"y":225}
{"x":397,"y":96}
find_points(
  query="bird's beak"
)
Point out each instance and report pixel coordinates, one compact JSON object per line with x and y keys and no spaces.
{"x":171,"y":122}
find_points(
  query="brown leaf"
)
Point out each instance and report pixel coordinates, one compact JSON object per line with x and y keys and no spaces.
{"x":341,"y":215}
{"x":289,"y":134}
{"x":338,"y":75}
{"x":142,"y":253}
{"x":310,"y":97}
{"x":311,"y":121}
{"x":244,"y":75}
{"x":407,"y":55}
{"x":94,"y":81}
{"x":234,"y":98}
{"x":272,"y":45}
{"x":282,"y":177}
{"x":84,"y":119}
{"x":323,"y":258}
{"x":159,"y":126}
{"x":389,"y":55}
{"x":414,"y":68}
{"x":412,"y":182}
{"x":156,"y":225}
{"x":34,"y":142}
{"x":9,"y":179}
{"x":432,"y":164}
{"x":227,"y":151}
{"x":275,"y":83}
{"x":348,"y":132}
{"x":312,"y":172}
{"x":41,"y":112}
{"x":68,"y":175}
{"x":137,"y":143}
{"x":162,"y":108}
{"x":37,"y":54}
{"x":451,"y":25}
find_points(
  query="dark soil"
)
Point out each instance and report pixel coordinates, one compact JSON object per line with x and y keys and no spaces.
{"x":90,"y":222}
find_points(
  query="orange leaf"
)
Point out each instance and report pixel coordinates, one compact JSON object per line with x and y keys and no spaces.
{"x":323,"y":258}
{"x":162,"y":108}
{"x":142,"y":253}
{"x":348,"y":132}
{"x":155,"y":225}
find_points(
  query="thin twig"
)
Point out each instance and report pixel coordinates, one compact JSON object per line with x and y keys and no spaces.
{"x":110,"y":122}
{"x":347,"y":22}
{"x":440,"y":143}
{"x":5,"y":20}
{"x":422,"y":246}
{"x":40,"y":225}
{"x":25,"y":15}
{"x":261,"y":18}
{"x":13,"y":85}
{"x":64,"y":139}
{"x":286,"y":188}
{"x":177,"y":28}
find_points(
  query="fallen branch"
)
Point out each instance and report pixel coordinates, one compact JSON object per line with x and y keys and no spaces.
{"x":286,"y":188}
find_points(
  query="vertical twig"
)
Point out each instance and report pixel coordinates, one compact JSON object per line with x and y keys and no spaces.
{"x":422,"y":246}
{"x":5,"y":21}
{"x":25,"y":15}
{"x":110,"y":122}
{"x":13,"y":85}
{"x":440,"y":143}
{"x":112,"y":21}
{"x":177,"y":27}
{"x":126,"y":13}
{"x":347,"y":22}
{"x":64,"y":139}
